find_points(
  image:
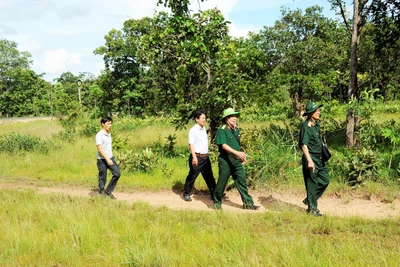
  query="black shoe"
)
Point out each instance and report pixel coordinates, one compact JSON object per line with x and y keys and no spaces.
{"x":217,"y":207}
{"x":187,"y":198}
{"x":305,"y":201}
{"x":316,"y":213}
{"x":252,"y":207}
{"x":109,"y":194}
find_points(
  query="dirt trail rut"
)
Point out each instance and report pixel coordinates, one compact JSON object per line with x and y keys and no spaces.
{"x":274,"y":202}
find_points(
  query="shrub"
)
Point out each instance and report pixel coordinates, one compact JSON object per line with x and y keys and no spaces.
{"x":18,"y":143}
{"x":166,"y":149}
{"x":90,"y":128}
{"x":147,"y":161}
{"x":362,"y":166}
{"x":272,"y":152}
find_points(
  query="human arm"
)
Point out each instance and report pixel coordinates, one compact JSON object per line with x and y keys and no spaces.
{"x":232,"y":151}
{"x":103,"y":154}
{"x":194,"y":157}
{"x":306,"y":153}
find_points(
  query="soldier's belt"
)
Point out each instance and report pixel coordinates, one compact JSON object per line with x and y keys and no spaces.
{"x":317,"y":155}
{"x":202,"y":155}
{"x":233,"y":157}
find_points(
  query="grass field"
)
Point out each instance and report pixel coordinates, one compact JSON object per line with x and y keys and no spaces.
{"x":56,"y":230}
{"x":59,"y":230}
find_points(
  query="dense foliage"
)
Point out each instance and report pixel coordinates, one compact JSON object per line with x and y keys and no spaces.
{"x":176,"y":62}
{"x":173,"y":63}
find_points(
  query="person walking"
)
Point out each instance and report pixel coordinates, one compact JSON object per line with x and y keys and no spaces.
{"x":315,"y":172}
{"x":199,"y":160}
{"x":231,"y":160}
{"x":105,"y":158}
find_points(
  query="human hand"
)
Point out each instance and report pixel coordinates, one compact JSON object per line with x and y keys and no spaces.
{"x":311,"y":166}
{"x":195,"y":161}
{"x":242,"y":156}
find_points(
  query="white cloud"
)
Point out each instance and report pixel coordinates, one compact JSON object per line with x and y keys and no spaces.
{"x":6,"y":30}
{"x":225,"y":6}
{"x":242,"y":30}
{"x":58,"y":61}
{"x":74,"y":59}
{"x":17,"y":10}
{"x":26,"y":42}
{"x":262,"y":4}
{"x":62,"y":34}
{"x":74,"y":11}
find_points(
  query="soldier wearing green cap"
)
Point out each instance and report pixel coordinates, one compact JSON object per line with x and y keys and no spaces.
{"x":316,"y":178}
{"x":230,"y":160}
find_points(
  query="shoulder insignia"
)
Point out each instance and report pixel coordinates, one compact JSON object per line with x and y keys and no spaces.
{"x":223,"y":127}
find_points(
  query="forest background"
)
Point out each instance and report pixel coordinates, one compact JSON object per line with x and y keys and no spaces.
{"x":160,"y":69}
{"x":173,"y":63}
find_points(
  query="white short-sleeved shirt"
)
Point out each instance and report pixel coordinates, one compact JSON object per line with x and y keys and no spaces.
{"x":198,"y":138}
{"x":104,"y":139}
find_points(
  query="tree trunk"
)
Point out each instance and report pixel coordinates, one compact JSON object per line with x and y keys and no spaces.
{"x":353,"y":82}
{"x":214,"y":123}
{"x":297,"y":104}
{"x":356,"y":138}
{"x":355,"y":41}
{"x":350,"y":129}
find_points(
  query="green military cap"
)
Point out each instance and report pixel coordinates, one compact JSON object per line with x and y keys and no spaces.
{"x":311,"y":107}
{"x":229,"y":112}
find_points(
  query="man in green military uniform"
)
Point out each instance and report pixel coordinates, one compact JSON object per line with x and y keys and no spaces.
{"x":316,"y":178}
{"x":230,"y":161}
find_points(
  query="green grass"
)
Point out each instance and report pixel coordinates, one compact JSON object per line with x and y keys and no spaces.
{"x":75,"y":163}
{"x":58,"y":230}
{"x":41,"y":128}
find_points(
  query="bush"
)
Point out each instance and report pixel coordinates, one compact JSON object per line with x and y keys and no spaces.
{"x":90,"y":128}
{"x":167,"y":149}
{"x":147,"y":161}
{"x":272,"y":152}
{"x":18,"y":143}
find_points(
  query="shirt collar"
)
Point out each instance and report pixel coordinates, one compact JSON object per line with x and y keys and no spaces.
{"x":199,"y":127}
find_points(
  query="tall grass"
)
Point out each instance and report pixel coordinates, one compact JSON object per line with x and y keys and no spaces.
{"x":41,"y":128}
{"x":75,"y":162}
{"x":58,"y":230}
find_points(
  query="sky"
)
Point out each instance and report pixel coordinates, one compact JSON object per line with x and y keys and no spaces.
{"x":61,"y":35}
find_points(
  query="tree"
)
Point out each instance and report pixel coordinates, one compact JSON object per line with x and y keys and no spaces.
{"x":306,"y":51}
{"x":22,"y":90}
{"x":124,"y":66}
{"x":186,"y":47}
{"x":362,"y":11}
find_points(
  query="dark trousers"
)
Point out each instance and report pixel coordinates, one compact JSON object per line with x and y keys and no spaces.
{"x":203,"y":167}
{"x":316,"y":182}
{"x":231,"y":166}
{"x":103,"y":166}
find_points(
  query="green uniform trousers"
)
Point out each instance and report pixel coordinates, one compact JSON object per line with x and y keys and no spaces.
{"x":316,"y":182}
{"x":231,"y":166}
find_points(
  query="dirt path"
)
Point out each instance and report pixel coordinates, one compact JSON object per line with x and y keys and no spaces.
{"x":275,"y":202}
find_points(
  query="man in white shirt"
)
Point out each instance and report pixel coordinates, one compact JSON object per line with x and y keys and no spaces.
{"x":105,"y":158}
{"x":199,"y":161}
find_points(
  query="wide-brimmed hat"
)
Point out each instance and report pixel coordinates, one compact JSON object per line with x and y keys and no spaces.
{"x":311,"y":107}
{"x":229,"y":112}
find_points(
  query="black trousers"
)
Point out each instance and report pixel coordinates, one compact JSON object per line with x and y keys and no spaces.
{"x":203,"y":167}
{"x":103,"y":166}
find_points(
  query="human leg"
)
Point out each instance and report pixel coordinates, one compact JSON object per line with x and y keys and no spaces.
{"x":323,"y":180}
{"x":239,"y":177}
{"x":116,"y":173}
{"x":190,"y":178}
{"x":224,"y":171}
{"x":208,"y":175}
{"x":102,"y":167}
